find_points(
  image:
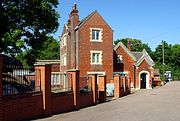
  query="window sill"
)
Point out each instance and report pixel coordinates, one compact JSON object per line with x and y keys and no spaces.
{"x":96,"y":41}
{"x":96,"y":63}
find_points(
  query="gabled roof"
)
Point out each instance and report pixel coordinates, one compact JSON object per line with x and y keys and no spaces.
{"x":125,"y":49}
{"x":146,"y":57}
{"x":138,"y":57}
{"x":83,"y":21}
{"x":65,"y":28}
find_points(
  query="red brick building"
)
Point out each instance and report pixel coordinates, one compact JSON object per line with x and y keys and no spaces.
{"x":138,"y":65}
{"x":87,"y":45}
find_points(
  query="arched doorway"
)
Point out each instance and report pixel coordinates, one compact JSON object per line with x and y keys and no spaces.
{"x":143,"y":80}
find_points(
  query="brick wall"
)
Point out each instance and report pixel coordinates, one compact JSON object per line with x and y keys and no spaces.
{"x":55,"y":68}
{"x":127,"y":64}
{"x":22,"y":107}
{"x":86,"y":99}
{"x":85,"y":46}
{"x":121,"y":86}
{"x":62,"y":102}
{"x":27,"y":106}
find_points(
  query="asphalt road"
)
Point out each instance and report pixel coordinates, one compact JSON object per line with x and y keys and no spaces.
{"x":160,"y":104}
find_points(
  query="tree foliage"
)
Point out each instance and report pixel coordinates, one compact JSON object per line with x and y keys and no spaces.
{"x":25,"y":25}
{"x":136,"y":44}
{"x":171,"y":59}
{"x":50,"y":50}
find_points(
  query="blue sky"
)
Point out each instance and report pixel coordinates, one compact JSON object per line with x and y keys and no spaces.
{"x":149,"y":20}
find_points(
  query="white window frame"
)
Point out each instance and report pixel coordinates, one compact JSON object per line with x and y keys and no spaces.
{"x":100,"y":35}
{"x":64,"y":60}
{"x":64,"y":39}
{"x":99,"y":58}
{"x":119,"y":59}
{"x":55,"y":78}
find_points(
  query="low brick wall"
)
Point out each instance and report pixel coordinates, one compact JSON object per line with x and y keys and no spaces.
{"x":19,"y":107}
{"x":62,"y":102}
{"x":86,"y":99}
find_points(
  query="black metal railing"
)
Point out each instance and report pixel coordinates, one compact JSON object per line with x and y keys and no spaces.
{"x":17,"y":79}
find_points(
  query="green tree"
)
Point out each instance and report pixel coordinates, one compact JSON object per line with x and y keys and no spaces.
{"x":175,"y":55}
{"x":171,"y":59}
{"x":25,"y":25}
{"x":159,"y":53}
{"x":136,"y":44}
{"x":50,"y":50}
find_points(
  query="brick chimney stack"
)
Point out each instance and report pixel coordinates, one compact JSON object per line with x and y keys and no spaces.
{"x":69,"y":20}
{"x":74,"y":21}
{"x":129,"y":44}
{"x":74,"y":17}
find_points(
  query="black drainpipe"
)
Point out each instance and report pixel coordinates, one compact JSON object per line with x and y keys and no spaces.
{"x":75,"y":46}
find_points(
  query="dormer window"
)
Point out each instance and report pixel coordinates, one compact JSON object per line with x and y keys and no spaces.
{"x":96,"y":34}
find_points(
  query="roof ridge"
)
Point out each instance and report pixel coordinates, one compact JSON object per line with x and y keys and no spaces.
{"x":136,"y":52}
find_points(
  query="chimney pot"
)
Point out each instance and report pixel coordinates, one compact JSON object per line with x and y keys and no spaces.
{"x":129,"y":44}
{"x":74,"y":6}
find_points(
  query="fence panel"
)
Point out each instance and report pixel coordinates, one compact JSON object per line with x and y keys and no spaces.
{"x":17,"y":79}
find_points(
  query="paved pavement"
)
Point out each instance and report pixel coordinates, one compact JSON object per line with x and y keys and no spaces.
{"x":160,"y":104}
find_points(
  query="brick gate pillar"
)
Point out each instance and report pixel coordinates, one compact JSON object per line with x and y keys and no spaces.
{"x":124,"y":85}
{"x":117,"y":86}
{"x":128,"y":85}
{"x":94,"y":88}
{"x":43,"y":75}
{"x":75,"y":81}
{"x":102,"y":88}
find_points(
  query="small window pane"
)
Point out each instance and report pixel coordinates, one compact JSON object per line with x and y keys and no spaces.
{"x":97,"y":34}
{"x":97,"y":57}
{"x":93,"y":34}
{"x":64,"y":60}
{"x":57,"y":79}
{"x":93,"y":57}
{"x":52,"y":83}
